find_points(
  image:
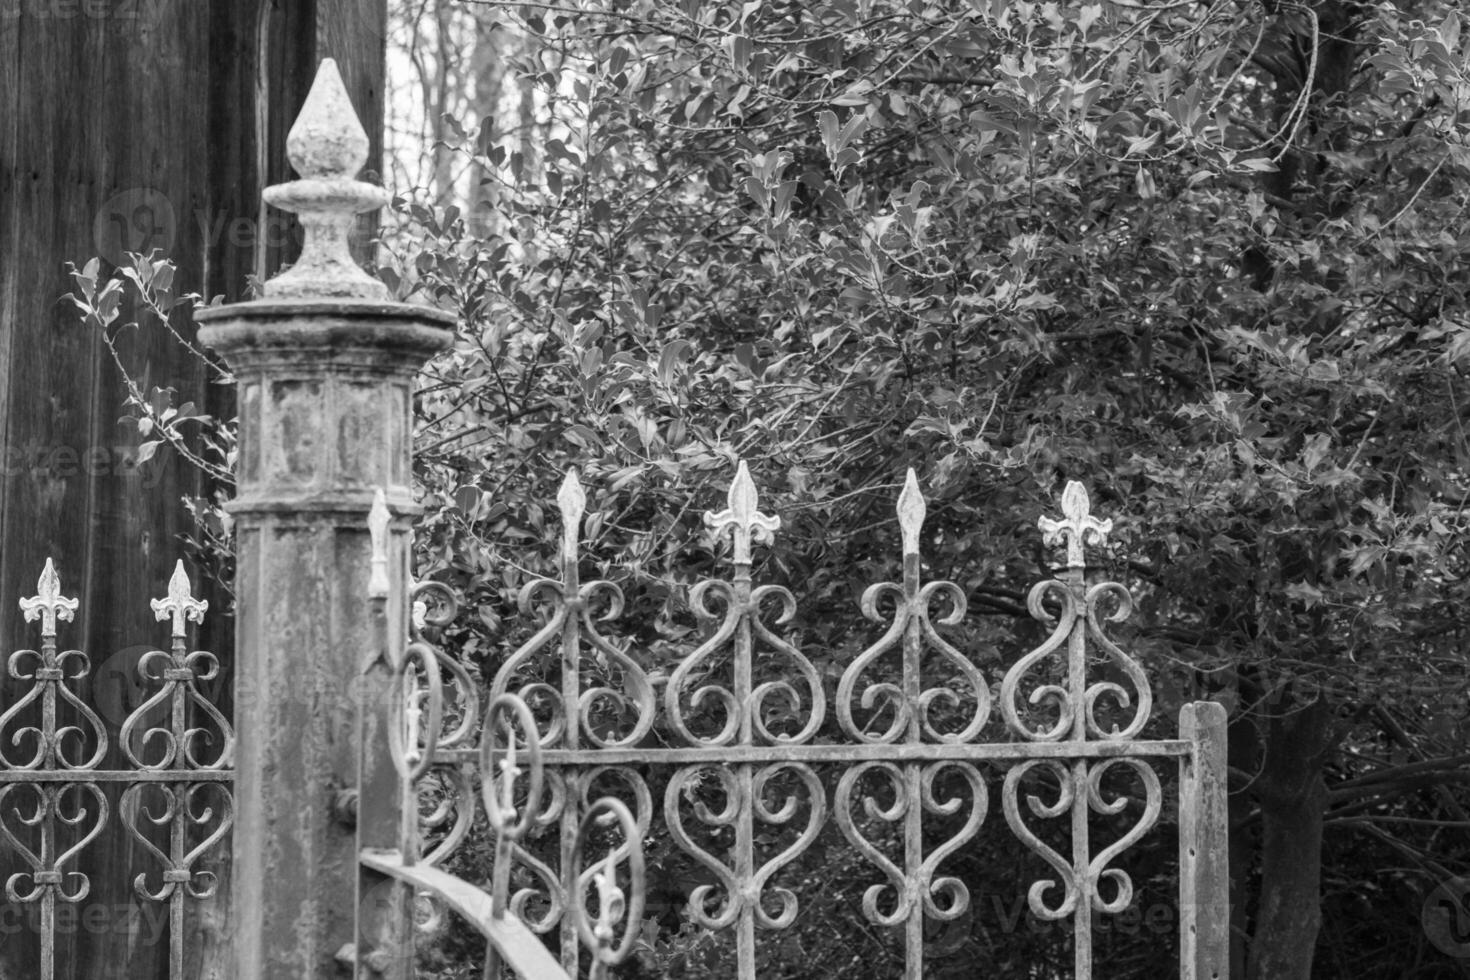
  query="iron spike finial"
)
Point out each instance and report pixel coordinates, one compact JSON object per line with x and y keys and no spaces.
{"x":911,"y":511}
{"x":327,"y":146}
{"x":1078,"y":528}
{"x":48,"y":603}
{"x":742,"y":517}
{"x":571,"y":499}
{"x":180,"y":603}
{"x":378,"y":584}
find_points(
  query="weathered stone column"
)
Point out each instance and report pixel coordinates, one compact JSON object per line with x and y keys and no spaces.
{"x":324,"y":365}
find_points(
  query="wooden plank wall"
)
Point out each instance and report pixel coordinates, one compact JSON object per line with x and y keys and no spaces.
{"x":127,"y":123}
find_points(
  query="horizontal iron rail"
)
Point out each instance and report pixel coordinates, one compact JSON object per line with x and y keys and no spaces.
{"x":117,"y":776}
{"x":521,"y":948}
{"x":899,"y":752}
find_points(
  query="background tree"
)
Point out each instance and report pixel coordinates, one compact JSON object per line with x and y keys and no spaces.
{"x":1205,"y":257}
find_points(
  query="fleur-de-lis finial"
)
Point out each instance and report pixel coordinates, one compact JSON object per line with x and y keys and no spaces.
{"x":418,"y":615}
{"x":572,"y":501}
{"x":378,"y":527}
{"x":742,"y":518}
{"x":911,"y":511}
{"x":48,"y":603}
{"x":327,"y":146}
{"x":509,"y":773}
{"x":610,"y":899}
{"x":1078,"y":527}
{"x":180,"y":602}
{"x":413,"y":698}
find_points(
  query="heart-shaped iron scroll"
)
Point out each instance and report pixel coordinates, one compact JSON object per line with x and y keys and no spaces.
{"x":907,"y":705}
{"x":179,"y":804}
{"x":917,"y":884}
{"x":597,"y":709}
{"x":46,"y":873}
{"x":686,"y":783}
{"x":747,"y":707}
{"x":1066,"y":797}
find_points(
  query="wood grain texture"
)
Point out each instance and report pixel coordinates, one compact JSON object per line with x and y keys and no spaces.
{"x":132,"y":124}
{"x":1204,"y":849}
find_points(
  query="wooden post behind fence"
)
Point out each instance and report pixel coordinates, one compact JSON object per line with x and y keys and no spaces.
{"x":1204,"y":869}
{"x":325,"y":365}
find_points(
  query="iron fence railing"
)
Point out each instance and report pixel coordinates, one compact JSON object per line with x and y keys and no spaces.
{"x":738,"y":758}
{"x":174,"y":795}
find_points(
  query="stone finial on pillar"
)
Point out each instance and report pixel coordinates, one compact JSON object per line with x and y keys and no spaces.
{"x":327,"y":146}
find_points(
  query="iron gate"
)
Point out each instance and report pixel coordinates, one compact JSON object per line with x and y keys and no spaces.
{"x":904,"y":753}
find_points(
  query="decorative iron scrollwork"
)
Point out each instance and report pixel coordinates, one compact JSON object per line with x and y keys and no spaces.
{"x":180,"y":809}
{"x":179,"y":671}
{"x":574,"y":708}
{"x":180,"y":775}
{"x":918,"y":888}
{"x":48,"y":880}
{"x":739,"y":746}
{"x":1066,"y":799}
{"x":737,"y":605}
{"x":49,"y":689}
{"x":1079,"y":627}
{"x":909,"y":703}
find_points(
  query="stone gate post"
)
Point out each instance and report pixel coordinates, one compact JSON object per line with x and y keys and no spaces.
{"x":324,"y":365}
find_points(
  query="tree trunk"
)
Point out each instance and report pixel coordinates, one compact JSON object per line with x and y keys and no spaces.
{"x":1292,"y":797}
{"x":488,"y":76}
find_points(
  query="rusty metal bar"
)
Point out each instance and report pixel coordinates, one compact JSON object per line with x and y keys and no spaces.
{"x":573,"y":502}
{"x":977,"y":752}
{"x":518,"y":945}
{"x":112,"y":776}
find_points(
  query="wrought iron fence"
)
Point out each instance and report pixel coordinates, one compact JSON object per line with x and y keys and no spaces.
{"x":55,"y":795}
{"x":736,"y":752}
{"x":738,"y":759}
